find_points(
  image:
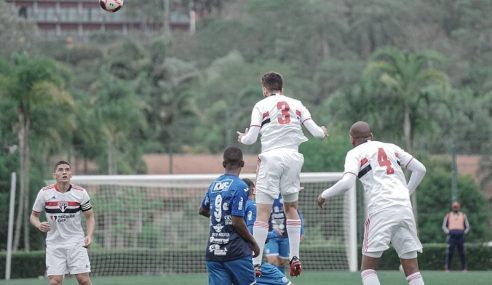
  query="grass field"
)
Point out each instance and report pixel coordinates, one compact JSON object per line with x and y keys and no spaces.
{"x":308,"y":278}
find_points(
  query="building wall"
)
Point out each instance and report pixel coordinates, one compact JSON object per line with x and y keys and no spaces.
{"x":81,"y":18}
{"x":192,"y":163}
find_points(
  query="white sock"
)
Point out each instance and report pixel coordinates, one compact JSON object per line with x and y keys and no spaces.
{"x":415,"y":279}
{"x":369,"y":277}
{"x":294,"y":232}
{"x":260,"y":232}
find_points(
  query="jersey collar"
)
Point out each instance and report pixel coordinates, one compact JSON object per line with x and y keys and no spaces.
{"x":58,"y":189}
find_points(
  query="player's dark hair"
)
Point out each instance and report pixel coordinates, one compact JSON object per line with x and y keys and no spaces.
{"x":361,"y":132}
{"x":248,"y":182}
{"x":272,"y":81}
{"x":233,"y":158}
{"x":60,"y":163}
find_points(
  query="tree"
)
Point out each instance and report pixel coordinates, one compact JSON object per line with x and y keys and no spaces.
{"x":118,"y":112}
{"x":464,"y":120}
{"x":375,"y":23}
{"x":411,"y":78}
{"x":327,"y":155}
{"x":34,"y":84}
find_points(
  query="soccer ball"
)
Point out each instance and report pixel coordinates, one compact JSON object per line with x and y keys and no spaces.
{"x":111,"y":5}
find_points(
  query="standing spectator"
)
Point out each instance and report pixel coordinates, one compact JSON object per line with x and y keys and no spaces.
{"x":455,"y":225}
{"x":278,"y":119}
{"x":66,"y":245}
{"x":230,"y":245}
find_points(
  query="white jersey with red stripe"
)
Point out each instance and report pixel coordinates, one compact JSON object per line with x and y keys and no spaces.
{"x":63,"y":213}
{"x":280,"y":119}
{"x":378,"y":166}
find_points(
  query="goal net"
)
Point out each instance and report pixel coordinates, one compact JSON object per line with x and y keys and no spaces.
{"x":149,"y":224}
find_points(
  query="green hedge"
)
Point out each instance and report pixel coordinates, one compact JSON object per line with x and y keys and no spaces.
{"x":24,"y":264}
{"x":32,"y":264}
{"x":478,"y":257}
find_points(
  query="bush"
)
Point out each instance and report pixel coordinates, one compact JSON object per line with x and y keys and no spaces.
{"x":24,"y":264}
{"x":478,"y":257}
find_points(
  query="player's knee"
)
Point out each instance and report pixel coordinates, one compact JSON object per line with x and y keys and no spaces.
{"x":290,"y":200}
{"x":370,"y":260}
{"x":275,"y":260}
{"x":84,"y":280}
{"x":56,"y":280}
{"x":409,"y":263}
{"x":408,"y":255}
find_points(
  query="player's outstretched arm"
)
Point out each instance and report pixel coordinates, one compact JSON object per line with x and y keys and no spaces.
{"x":338,"y":188}
{"x":418,"y":173}
{"x":315,"y":130}
{"x":249,"y":136}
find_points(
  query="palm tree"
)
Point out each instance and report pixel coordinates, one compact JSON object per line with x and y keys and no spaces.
{"x":33,"y":84}
{"x":118,"y":112}
{"x":409,"y":76}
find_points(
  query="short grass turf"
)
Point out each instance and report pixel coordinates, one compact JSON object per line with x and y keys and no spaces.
{"x":307,"y":278}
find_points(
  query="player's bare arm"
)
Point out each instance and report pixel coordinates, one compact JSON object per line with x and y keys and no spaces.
{"x":90,"y":224}
{"x":241,"y":228}
{"x":204,"y":212}
{"x":41,"y":226}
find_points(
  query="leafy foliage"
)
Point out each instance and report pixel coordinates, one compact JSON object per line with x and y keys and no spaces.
{"x":427,"y":84}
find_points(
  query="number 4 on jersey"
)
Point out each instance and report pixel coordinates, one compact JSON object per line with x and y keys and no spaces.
{"x":384,"y":161}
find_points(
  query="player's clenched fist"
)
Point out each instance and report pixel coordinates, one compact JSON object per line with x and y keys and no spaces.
{"x":321,"y":201}
{"x":325,"y":130}
{"x":44,"y":227}
{"x":256,"y":249}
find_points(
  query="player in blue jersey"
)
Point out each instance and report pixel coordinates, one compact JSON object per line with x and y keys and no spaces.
{"x":230,"y":246}
{"x":277,"y":246}
{"x":270,"y":275}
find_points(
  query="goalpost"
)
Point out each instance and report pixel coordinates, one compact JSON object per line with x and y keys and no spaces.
{"x":149,"y":224}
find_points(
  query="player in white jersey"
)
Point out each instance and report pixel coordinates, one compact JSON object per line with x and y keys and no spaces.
{"x":279,"y":120}
{"x":66,"y":244}
{"x":390,"y":218}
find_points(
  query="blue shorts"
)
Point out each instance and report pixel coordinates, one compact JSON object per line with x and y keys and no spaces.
{"x":278,"y":246}
{"x":238,"y":272}
{"x":270,"y":275}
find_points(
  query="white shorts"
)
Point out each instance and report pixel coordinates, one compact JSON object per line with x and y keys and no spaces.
{"x":67,"y":260}
{"x":279,"y":172}
{"x":394,"y":225}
